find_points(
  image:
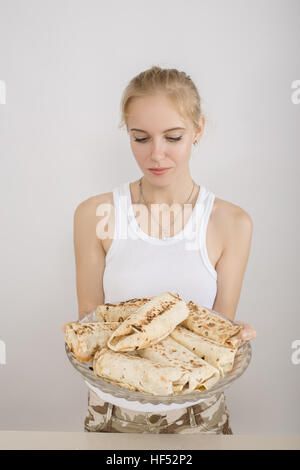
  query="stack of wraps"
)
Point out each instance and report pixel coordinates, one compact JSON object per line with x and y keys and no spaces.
{"x":209,"y":336}
{"x":84,"y":339}
{"x":157,"y":345}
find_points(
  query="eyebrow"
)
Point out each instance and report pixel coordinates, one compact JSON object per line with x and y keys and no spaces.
{"x":167,"y":130}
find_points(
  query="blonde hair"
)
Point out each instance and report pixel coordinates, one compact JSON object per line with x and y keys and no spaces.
{"x":175,"y":85}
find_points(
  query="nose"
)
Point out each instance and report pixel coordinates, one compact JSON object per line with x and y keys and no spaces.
{"x":157,"y":151}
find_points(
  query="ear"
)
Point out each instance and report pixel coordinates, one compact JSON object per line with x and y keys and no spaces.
{"x":200,"y":130}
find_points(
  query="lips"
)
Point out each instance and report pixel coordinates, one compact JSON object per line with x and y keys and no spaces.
{"x":158,"y":171}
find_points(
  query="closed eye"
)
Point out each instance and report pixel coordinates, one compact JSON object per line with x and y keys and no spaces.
{"x":172,"y":139}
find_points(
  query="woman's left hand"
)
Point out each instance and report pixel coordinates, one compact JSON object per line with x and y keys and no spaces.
{"x":247,"y":332}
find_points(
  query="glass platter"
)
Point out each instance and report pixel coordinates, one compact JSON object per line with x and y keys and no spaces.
{"x":145,"y":401}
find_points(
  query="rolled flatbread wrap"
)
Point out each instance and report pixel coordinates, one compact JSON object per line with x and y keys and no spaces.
{"x":202,"y":375}
{"x":137,"y":373}
{"x":119,"y":311}
{"x":84,"y":339}
{"x":210,"y":325}
{"x":219,"y":356}
{"x":148,"y":325}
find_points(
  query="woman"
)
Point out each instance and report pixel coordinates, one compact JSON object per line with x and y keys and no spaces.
{"x":200,"y":253}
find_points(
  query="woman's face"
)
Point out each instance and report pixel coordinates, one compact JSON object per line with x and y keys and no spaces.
{"x":152,"y":142}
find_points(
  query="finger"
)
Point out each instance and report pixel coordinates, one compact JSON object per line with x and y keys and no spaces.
{"x":248,"y":333}
{"x":243,"y":334}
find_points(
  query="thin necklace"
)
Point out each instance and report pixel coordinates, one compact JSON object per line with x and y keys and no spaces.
{"x":164,"y":237}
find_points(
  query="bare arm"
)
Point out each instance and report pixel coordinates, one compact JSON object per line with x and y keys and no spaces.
{"x":232,"y":264}
{"x":89,"y":258}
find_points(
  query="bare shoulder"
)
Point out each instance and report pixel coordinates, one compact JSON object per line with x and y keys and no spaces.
{"x":96,"y":215}
{"x":91,"y":203}
{"x":231,"y":220}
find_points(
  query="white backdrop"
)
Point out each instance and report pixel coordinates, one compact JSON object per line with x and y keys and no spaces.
{"x":65,"y":65}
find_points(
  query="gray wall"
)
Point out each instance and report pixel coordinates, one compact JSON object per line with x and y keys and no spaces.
{"x":65,"y":65}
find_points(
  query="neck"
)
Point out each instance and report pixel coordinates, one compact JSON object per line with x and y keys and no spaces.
{"x":177,"y":191}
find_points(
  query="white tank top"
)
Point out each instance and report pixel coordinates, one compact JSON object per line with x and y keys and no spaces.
{"x":139,"y":265}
